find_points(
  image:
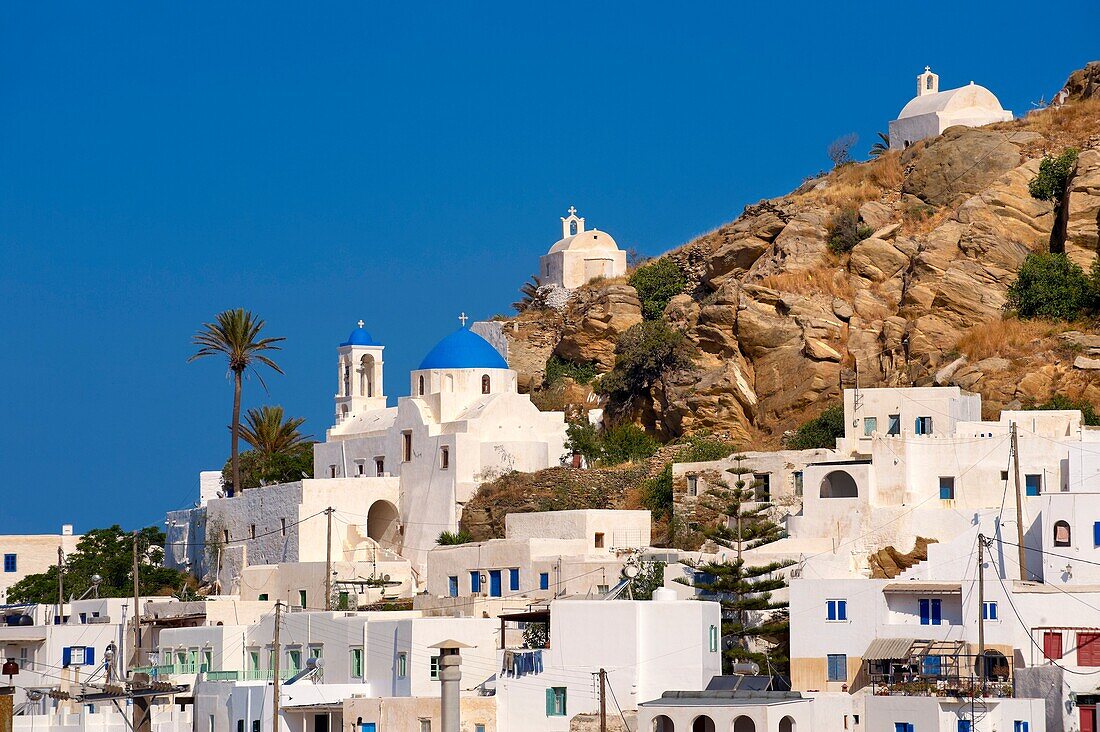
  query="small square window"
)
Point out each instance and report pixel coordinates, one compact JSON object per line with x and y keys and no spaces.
{"x":836,"y":610}
{"x":693,"y":485}
{"x":402,"y":665}
{"x":544,"y":580}
{"x":444,"y":458}
{"x":1033,"y":484}
{"x":894,"y":425}
{"x":599,"y":540}
{"x":332,"y":470}
{"x":452,"y":585}
{"x":555,"y":702}
{"x":302,"y":598}
{"x":379,"y":466}
{"x":9,"y":563}
{"x":433,"y":670}
{"x":870,"y":426}
{"x":989,"y":611}
{"x":406,"y":447}
{"x":947,"y":488}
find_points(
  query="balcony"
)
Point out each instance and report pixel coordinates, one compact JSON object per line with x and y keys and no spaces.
{"x":266,"y":674}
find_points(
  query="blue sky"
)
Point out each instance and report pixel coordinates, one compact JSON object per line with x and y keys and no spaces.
{"x":395,"y":162}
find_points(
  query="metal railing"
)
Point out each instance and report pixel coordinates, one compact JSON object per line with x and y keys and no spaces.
{"x":266,"y":674}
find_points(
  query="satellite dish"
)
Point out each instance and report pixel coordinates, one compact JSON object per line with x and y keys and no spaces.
{"x":96,"y":579}
{"x":630,"y":571}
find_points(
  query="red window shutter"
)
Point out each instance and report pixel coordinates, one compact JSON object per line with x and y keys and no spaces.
{"x":1052,"y":645}
{"x":1088,"y":649}
{"x":1088,"y":718}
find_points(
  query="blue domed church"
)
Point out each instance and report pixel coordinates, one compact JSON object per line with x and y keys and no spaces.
{"x":464,"y":423}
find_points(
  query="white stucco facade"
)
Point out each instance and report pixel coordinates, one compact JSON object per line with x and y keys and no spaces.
{"x":26,"y":554}
{"x":580,"y":256}
{"x":931,"y":112}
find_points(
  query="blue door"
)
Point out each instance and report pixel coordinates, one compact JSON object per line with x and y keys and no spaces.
{"x":494,"y":583}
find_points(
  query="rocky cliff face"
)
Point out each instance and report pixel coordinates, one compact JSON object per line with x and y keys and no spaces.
{"x":782,"y":324}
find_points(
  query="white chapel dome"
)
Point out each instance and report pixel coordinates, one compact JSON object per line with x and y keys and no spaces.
{"x":971,"y":96}
{"x":591,"y":240}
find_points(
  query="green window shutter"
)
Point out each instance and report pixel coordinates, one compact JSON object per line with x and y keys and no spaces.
{"x":549,"y":702}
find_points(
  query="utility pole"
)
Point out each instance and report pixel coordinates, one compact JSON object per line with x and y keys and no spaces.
{"x":981,"y":611}
{"x":603,"y":700}
{"x":136,"y":656}
{"x":275,"y":669}
{"x":1019,"y":504}
{"x":60,"y":584}
{"x":328,"y":561}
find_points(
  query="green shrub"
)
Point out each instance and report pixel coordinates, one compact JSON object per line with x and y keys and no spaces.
{"x":558,"y":368}
{"x":657,"y":283}
{"x":1054,"y":176}
{"x":453,"y":538}
{"x":657,"y":493}
{"x":821,"y":431}
{"x":845,"y":231}
{"x":627,"y":442}
{"x":1050,"y":286}
{"x":620,"y":444}
{"x":645,"y":354}
{"x":704,"y":447}
{"x":1061,"y":401}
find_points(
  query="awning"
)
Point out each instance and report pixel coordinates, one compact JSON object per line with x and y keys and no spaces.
{"x":530,"y":616}
{"x":883,"y":649}
{"x":924,"y":588}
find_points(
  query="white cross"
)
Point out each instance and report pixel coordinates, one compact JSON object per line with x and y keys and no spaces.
{"x":462,"y":319}
{"x":572,"y":210}
{"x":361,"y":323}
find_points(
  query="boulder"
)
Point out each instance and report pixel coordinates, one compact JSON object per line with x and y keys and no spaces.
{"x":1084,"y":209}
{"x":1086,"y":364}
{"x":961,"y":162}
{"x":594,"y":322}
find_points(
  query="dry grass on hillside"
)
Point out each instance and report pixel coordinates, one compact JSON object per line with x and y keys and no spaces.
{"x":825,"y":278}
{"x":1069,"y":125}
{"x":1006,"y":338}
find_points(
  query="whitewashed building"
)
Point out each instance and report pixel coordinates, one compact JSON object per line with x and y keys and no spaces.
{"x":580,"y":255}
{"x":26,"y":554}
{"x":931,"y":111}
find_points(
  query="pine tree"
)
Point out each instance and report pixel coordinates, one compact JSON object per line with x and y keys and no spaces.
{"x":745,"y":591}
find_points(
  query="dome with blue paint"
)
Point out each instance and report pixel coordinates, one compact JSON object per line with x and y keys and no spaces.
{"x":360,"y":337}
{"x":463,"y":349}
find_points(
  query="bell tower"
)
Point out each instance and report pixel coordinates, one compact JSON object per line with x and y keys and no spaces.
{"x":572,"y":224}
{"x":359,"y":375}
{"x":927,"y":83}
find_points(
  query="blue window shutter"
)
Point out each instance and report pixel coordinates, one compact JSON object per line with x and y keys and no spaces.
{"x":513,"y":579}
{"x":549,"y":702}
{"x":924,"y":616}
{"x":842,"y":610}
{"x":544,"y":581}
{"x":993,"y":611}
{"x":830,"y":610}
{"x":1096,"y":533}
{"x":964,"y":725}
{"x":67,"y":656}
{"x":936,"y":612}
{"x":89,"y":656}
{"x":452,"y":583}
{"x":475,"y":582}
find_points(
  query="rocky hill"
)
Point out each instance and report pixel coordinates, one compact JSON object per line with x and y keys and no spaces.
{"x":782,"y":324}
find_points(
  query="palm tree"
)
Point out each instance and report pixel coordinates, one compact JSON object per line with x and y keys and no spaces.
{"x":269,"y":435}
{"x":882,"y":146}
{"x":236,"y":336}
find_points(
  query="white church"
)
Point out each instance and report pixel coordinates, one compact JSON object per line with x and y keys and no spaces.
{"x":395,"y":477}
{"x":932,"y":111}
{"x":580,"y":255}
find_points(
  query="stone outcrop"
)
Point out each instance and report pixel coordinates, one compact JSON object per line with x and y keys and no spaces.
{"x":782,"y":324}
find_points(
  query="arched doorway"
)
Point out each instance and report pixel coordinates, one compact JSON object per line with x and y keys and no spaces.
{"x":702,"y":723}
{"x":996,"y":665}
{"x":661,"y":723}
{"x":787,"y":724}
{"x":839,"y":484}
{"x":744,"y":724}
{"x":366,"y":376}
{"x":382,"y":523}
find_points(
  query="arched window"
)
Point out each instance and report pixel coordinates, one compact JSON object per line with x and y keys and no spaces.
{"x":420,"y":385}
{"x":1061,"y":533}
{"x":344,"y":409}
{"x":485,"y":384}
{"x":366,"y":376}
{"x":661,"y":723}
{"x":744,"y":724}
{"x":702,"y":723}
{"x":928,"y":82}
{"x":839,"y":484}
{"x":347,"y":379}
{"x":572,"y":228}
{"x":787,"y":724}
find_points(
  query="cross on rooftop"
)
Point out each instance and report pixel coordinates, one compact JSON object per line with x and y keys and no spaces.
{"x":572,"y":210}
{"x":361,"y":323}
{"x":462,"y":319}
